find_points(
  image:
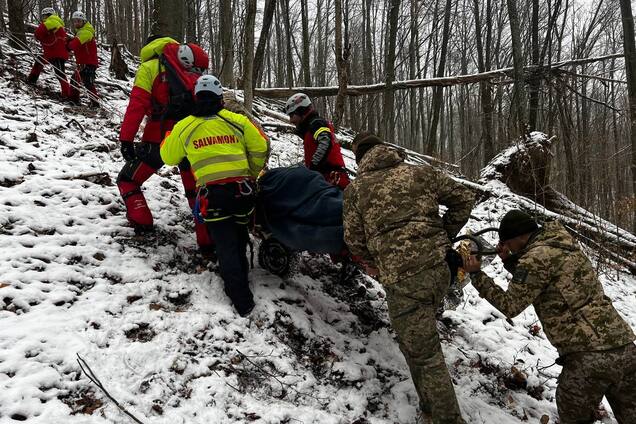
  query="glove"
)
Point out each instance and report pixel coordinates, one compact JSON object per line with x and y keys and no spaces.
{"x":128,"y":151}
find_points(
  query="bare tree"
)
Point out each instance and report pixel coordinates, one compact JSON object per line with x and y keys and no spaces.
{"x":305,"y":60}
{"x":268,"y":15}
{"x":15,"y":9}
{"x":226,"y":29}
{"x":629,"y":46}
{"x":437,"y":101}
{"x":248,"y":55}
{"x":168,"y":19}
{"x":518,"y":91}
{"x":341,"y":62}
{"x":389,"y":68}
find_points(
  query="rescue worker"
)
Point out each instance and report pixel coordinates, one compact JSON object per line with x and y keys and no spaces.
{"x":227,"y":152}
{"x":52,"y":35}
{"x":595,"y":345}
{"x":85,"y":49}
{"x":162,"y":93}
{"x":391,"y":221}
{"x":321,"y":149}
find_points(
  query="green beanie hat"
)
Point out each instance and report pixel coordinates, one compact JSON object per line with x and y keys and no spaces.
{"x":516,"y":223}
{"x":363,"y":142}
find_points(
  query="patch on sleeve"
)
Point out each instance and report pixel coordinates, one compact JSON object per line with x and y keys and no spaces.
{"x":520,"y":276}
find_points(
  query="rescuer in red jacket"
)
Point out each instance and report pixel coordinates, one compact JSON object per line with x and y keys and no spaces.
{"x":163,"y":93}
{"x":52,"y":35}
{"x":85,"y":49}
{"x":322,"y":150}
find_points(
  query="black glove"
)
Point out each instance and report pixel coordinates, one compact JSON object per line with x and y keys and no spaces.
{"x":128,"y":151}
{"x":454,"y":261}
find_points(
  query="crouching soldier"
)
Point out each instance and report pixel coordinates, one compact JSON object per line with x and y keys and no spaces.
{"x":391,"y":220}
{"x":595,"y":344}
{"x":226,"y":152}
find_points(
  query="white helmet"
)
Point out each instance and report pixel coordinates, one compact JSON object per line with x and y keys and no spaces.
{"x":79,"y":15}
{"x":186,"y":56}
{"x":296,"y":101}
{"x":48,"y":11}
{"x":208,"y":83}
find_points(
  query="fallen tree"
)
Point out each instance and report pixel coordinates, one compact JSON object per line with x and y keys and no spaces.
{"x":543,"y":71}
{"x":521,"y":173}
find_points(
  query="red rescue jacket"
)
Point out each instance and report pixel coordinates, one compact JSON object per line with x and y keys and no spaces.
{"x":333,"y":166}
{"x":52,"y":35}
{"x":150,"y":95}
{"x":84,"y":46}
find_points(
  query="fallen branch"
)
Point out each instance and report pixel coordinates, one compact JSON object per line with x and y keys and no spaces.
{"x":93,"y":378}
{"x":113,"y":85}
{"x":283,"y":385}
{"x":358,"y":90}
{"x":598,"y":102}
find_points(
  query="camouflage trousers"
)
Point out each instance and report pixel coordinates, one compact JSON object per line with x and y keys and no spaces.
{"x":413,"y":303}
{"x":588,"y":376}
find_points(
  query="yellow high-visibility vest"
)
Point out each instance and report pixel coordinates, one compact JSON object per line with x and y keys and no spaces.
{"x":219,"y":147}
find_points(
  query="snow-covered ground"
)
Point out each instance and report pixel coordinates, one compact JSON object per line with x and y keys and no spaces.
{"x":152,"y":321}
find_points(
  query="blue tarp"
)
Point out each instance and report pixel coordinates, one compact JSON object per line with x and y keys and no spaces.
{"x":301,"y":209}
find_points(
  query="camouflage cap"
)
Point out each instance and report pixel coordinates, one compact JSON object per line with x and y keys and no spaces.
{"x":516,"y":223}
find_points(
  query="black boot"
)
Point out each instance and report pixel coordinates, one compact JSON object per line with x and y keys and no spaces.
{"x":32,"y":79}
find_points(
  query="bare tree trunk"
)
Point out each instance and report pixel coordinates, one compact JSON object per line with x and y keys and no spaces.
{"x":341,"y":61}
{"x":367,"y":60}
{"x":629,"y":46}
{"x":16,"y":24}
{"x":438,"y":92}
{"x":191,"y":22}
{"x":518,"y":90}
{"x":268,"y":15}
{"x":248,"y":56}
{"x":288,"y":43}
{"x":146,"y":19}
{"x":167,"y":19}
{"x":535,"y":81}
{"x":118,"y":66}
{"x":226,"y":29}
{"x":306,"y":59}
{"x":3,"y":24}
{"x":485,"y":92}
{"x":388,"y":111}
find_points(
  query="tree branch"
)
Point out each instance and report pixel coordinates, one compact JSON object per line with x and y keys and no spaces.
{"x":358,"y":90}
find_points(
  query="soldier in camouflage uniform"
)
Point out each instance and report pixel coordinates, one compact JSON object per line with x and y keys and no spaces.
{"x":594,"y":343}
{"x":391,"y":220}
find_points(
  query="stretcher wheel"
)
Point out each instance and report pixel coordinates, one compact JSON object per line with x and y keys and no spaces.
{"x":276,"y":258}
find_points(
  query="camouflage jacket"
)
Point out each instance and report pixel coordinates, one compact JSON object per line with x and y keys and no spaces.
{"x":554,"y":275}
{"x":391,"y":214}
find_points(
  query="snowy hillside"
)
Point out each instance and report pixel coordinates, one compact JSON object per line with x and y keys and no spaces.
{"x":153,"y":323}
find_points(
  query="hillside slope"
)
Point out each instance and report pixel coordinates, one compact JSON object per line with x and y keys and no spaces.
{"x":152,"y":321}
